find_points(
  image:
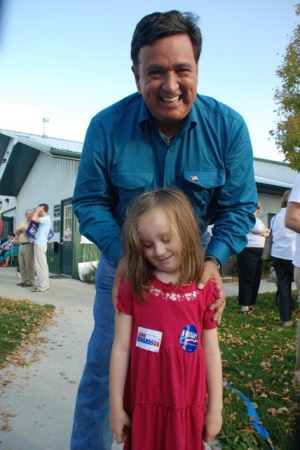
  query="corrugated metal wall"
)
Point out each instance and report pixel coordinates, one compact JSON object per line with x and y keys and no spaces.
{"x":274,"y":170}
{"x":50,"y":181}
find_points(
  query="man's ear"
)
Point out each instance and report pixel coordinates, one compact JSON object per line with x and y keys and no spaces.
{"x":137,"y":78}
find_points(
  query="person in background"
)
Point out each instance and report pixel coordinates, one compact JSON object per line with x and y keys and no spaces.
{"x":26,"y":253}
{"x":249,"y":265}
{"x":7,"y":245}
{"x":40,"y":247}
{"x":162,"y":241}
{"x":282,"y":253}
{"x":164,"y":135}
{"x":5,"y":249}
{"x":292,"y":221}
{"x":1,"y":224}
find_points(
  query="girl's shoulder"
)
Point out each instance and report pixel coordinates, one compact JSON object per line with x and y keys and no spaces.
{"x":209,"y":292}
{"x":125,"y":299}
{"x":125,"y":287}
{"x":212,"y":289}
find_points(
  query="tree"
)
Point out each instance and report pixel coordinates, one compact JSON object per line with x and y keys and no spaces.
{"x":287,"y":132}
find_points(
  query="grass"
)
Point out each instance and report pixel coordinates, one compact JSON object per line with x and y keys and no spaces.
{"x":258,"y":361}
{"x":20,"y":321}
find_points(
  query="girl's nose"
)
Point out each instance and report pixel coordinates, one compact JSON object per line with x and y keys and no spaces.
{"x":160,"y":249}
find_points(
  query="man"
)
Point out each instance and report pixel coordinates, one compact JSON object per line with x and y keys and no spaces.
{"x":292,"y":221}
{"x":40,"y":247}
{"x":26,"y":254}
{"x":164,"y":135}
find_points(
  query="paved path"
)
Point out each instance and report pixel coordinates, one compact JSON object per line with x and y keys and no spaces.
{"x":38,"y":398}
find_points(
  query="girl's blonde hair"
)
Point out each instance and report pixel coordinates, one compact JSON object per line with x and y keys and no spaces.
{"x":185,"y":230}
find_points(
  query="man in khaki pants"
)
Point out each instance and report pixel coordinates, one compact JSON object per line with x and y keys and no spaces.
{"x":26,"y":254}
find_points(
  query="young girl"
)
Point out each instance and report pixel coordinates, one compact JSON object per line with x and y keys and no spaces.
{"x":165,"y":354}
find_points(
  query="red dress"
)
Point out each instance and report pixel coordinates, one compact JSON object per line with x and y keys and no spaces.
{"x":165,"y":393}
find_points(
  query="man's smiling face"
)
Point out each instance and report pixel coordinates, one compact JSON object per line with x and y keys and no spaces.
{"x":167,"y":78}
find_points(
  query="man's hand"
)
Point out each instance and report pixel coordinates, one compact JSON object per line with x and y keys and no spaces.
{"x":211,"y":272}
{"x":120,"y":274}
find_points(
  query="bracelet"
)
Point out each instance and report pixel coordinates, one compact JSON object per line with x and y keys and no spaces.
{"x":213,"y":259}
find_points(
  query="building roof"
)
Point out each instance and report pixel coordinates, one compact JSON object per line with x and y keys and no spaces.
{"x":19,"y":151}
{"x":272,"y":182}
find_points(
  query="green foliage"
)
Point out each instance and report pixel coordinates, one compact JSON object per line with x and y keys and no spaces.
{"x":19,"y":322}
{"x":89,"y":275}
{"x":287,"y":132}
{"x":258,"y":360}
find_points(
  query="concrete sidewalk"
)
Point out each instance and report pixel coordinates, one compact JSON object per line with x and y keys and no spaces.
{"x":38,"y":399}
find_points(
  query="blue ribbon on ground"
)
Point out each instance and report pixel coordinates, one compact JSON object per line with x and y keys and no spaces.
{"x":253,"y":416}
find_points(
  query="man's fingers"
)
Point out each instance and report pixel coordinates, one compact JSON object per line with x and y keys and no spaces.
{"x":219,"y":306}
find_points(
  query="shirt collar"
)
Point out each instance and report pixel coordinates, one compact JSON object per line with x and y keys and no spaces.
{"x":190,"y":120}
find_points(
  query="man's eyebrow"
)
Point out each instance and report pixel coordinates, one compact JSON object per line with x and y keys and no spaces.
{"x":152,"y":67}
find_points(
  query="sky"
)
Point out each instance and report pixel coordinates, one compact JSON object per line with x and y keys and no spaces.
{"x":65,"y":60}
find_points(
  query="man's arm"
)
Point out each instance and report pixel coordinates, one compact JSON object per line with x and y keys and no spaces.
{"x":93,"y":199}
{"x":232,"y":211}
{"x":20,"y":230}
{"x":234,"y":203}
{"x":292,"y":216}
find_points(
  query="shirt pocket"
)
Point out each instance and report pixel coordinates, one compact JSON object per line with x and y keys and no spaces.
{"x":200,"y":185}
{"x":129,"y":185}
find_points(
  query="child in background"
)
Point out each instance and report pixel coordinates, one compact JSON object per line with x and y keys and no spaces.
{"x":165,"y":358}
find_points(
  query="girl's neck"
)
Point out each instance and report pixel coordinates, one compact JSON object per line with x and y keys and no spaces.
{"x":167,"y":277}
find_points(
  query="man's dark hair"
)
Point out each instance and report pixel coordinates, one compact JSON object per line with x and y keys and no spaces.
{"x":46,"y":207}
{"x":159,"y":25}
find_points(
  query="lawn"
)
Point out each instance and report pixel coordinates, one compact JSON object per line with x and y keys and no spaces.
{"x":258,"y":362}
{"x":20,"y":322}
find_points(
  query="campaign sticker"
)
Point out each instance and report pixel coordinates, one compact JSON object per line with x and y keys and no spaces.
{"x":189,"y":338}
{"x":148,"y":339}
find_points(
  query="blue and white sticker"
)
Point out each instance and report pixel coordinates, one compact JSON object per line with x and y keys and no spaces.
{"x":148,"y":339}
{"x":189,"y":338}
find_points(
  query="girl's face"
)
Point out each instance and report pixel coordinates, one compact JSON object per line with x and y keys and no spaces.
{"x":160,"y":246}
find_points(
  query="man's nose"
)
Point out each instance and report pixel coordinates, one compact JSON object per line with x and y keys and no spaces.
{"x":170,"y":83}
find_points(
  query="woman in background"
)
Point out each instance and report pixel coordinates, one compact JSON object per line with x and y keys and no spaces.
{"x":282,"y":253}
{"x":249,"y":264}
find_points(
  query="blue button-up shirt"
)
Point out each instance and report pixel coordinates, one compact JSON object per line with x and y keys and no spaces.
{"x":210,"y":159}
